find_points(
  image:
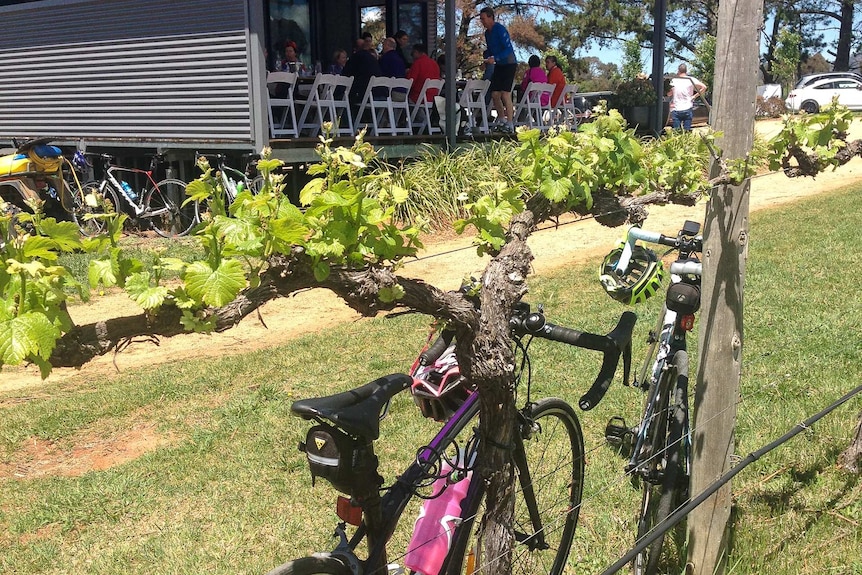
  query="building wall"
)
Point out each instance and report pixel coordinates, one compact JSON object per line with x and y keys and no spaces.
{"x":128,"y":70}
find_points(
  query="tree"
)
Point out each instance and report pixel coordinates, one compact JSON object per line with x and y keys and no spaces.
{"x":262,"y":247}
{"x":724,"y":257}
{"x":787,"y":58}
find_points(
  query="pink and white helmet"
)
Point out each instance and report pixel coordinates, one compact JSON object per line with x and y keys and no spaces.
{"x":439,"y":389}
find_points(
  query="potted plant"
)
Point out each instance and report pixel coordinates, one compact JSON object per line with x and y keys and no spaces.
{"x":634,"y":98}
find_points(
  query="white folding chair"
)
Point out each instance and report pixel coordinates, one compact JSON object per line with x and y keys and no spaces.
{"x":530,"y":111}
{"x":473,"y":100}
{"x":327,"y":102}
{"x":286,"y":125}
{"x":421,"y":116}
{"x":565,"y":113}
{"x":380,"y":111}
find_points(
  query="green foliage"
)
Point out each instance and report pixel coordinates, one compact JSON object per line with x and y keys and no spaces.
{"x":703,"y":63}
{"x":786,"y":58}
{"x":439,"y":178}
{"x":350,"y":209}
{"x":812,"y":134}
{"x":636,"y":92}
{"x":633,"y":65}
{"x":676,"y":163}
{"x":566,"y":168}
{"x":33,"y":289}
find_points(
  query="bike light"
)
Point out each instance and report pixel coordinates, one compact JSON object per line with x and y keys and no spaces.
{"x":687,"y":322}
{"x":348,"y":512}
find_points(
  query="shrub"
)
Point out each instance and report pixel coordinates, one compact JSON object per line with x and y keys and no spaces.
{"x":772,"y":107}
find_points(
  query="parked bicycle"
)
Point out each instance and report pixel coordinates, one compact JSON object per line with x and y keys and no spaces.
{"x":233,"y":181}
{"x":660,"y":443}
{"x":548,"y":456}
{"x":160,"y":205}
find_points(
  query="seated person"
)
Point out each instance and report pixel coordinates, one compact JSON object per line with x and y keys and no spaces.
{"x":555,"y":77}
{"x":392,"y":66}
{"x":362,"y":65}
{"x":339,"y":59}
{"x":423,"y":68}
{"x":535,"y":74}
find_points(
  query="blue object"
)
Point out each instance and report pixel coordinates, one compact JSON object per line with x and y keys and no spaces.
{"x":129,"y":191}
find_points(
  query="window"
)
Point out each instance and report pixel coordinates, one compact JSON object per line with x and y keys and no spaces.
{"x":373,"y":19}
{"x":412,"y":19}
{"x":290,"y":20}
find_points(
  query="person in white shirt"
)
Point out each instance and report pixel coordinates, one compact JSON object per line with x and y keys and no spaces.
{"x":682,"y":90}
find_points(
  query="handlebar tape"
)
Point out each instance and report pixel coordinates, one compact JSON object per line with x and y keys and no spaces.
{"x":436,"y":349}
{"x":618,"y":341}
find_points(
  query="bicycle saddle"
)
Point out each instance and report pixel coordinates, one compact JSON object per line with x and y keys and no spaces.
{"x":356,"y":411}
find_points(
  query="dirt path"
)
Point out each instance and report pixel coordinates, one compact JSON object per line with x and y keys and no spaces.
{"x":443,"y":263}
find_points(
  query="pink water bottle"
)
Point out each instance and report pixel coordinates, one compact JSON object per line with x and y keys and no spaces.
{"x":432,"y":534}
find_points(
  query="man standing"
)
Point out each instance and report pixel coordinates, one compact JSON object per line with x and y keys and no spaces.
{"x":501,"y":54}
{"x":682,"y":89}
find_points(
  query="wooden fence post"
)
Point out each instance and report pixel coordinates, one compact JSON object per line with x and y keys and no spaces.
{"x":724,"y":255}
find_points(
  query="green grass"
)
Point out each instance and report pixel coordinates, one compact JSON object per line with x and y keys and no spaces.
{"x":186,"y":249}
{"x":227,"y":491}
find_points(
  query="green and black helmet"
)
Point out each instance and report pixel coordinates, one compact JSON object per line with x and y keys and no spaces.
{"x":641,"y":280}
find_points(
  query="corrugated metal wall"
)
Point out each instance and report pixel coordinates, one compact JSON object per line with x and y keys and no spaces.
{"x":126,"y":70}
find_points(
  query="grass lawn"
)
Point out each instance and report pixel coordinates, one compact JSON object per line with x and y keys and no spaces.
{"x":192,"y":467}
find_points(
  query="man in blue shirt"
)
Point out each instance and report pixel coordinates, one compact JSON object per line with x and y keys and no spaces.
{"x":501,"y":54}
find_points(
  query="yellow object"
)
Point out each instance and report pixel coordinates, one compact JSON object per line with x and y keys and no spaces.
{"x":14,"y":164}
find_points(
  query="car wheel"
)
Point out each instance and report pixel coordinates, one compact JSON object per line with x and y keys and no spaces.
{"x":809,"y":107}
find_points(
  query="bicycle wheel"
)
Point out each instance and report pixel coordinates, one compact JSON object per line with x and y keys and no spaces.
{"x":165,"y":209}
{"x":312,"y":566}
{"x":98,"y":205}
{"x":256,"y":185}
{"x":662,"y":497}
{"x":549,"y":491}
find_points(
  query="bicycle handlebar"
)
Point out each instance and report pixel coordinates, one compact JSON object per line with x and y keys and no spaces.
{"x":685,"y":239}
{"x":687,"y":267}
{"x":615,"y":343}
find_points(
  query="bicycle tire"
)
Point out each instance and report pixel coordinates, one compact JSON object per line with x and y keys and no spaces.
{"x":312,"y":566}
{"x":662,"y":498}
{"x":165,"y":209}
{"x":91,"y":227}
{"x":255,"y":185}
{"x":554,"y":452}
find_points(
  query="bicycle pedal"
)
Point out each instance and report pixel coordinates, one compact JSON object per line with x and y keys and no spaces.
{"x":618,"y":434}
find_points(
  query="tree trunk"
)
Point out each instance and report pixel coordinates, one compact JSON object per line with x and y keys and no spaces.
{"x":488,"y":360}
{"x":724,"y":256}
{"x":851,"y":458}
{"x":845,"y":36}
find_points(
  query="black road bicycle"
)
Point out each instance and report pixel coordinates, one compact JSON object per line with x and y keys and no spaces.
{"x":660,"y":443}
{"x":548,"y":456}
{"x":160,"y":205}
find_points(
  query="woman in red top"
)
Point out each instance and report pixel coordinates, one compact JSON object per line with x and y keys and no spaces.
{"x":556,"y":77}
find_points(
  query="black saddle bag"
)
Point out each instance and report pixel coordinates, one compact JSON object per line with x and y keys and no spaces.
{"x":683,"y":298}
{"x":332,"y":455}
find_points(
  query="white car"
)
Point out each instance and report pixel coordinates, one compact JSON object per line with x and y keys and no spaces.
{"x":809,"y":79}
{"x":813,"y":97}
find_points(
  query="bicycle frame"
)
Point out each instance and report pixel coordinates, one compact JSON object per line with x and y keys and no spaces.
{"x":380,"y":515}
{"x":231,"y":178}
{"x":110,"y":178}
{"x":669,"y":336}
{"x":672,"y":338}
